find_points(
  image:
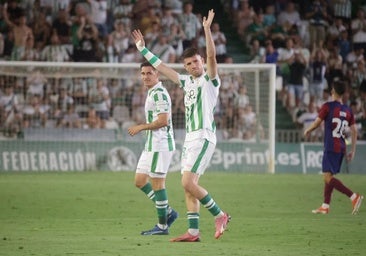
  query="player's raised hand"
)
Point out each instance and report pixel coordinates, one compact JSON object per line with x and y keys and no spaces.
{"x":208,"y":21}
{"x":138,"y":39}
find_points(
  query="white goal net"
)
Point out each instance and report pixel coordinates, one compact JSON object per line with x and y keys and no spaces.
{"x":74,"y":116}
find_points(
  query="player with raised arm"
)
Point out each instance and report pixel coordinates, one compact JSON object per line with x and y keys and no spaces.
{"x":153,"y":165}
{"x":201,"y":89}
{"x":337,"y":118}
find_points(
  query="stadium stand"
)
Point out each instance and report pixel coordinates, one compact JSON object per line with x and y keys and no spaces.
{"x":274,"y":32}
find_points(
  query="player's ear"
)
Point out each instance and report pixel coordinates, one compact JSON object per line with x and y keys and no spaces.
{"x":184,"y":65}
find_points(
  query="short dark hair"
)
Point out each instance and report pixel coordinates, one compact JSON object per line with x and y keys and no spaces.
{"x":189,"y":52}
{"x":146,"y":64}
{"x":339,"y":87}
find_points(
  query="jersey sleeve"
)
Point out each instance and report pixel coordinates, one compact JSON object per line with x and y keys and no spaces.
{"x":323,"y":112}
{"x":161,"y":102}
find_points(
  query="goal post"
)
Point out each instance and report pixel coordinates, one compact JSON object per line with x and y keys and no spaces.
{"x":260,"y":80}
{"x":79,"y":146}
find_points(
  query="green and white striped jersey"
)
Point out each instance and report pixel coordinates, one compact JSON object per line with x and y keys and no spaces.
{"x":200,"y":98}
{"x":158,"y":101}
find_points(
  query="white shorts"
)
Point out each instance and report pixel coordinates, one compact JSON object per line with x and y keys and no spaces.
{"x":196,"y":155}
{"x":154,"y":164}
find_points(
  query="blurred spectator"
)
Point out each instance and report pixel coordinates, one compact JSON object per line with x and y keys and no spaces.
{"x":317,"y":70}
{"x":318,"y":15}
{"x":153,"y":34}
{"x":139,"y":10}
{"x":247,"y":122}
{"x":163,"y":49}
{"x":62,"y":26}
{"x":36,"y":84}
{"x":334,"y":66}
{"x":220,"y":42}
{"x":175,"y":5}
{"x":99,"y":16}
{"x":168,"y":19}
{"x":13,"y":9}
{"x":326,"y":97}
{"x":271,"y":54}
{"x":257,"y":30}
{"x":18,"y":25}
{"x":354,"y":56}
{"x":8,"y":42}
{"x":257,"y":52}
{"x":118,"y":41}
{"x":295,"y":86}
{"x":110,"y":56}
{"x":34,"y":10}
{"x":269,"y":16}
{"x":344,"y":44}
{"x":176,"y":37}
{"x":289,"y":17}
{"x":226,"y":98}
{"x":70,"y":119}
{"x":285,"y":57}
{"x":123,"y":12}
{"x":93,"y":121}
{"x":41,"y":31}
{"x":79,"y":14}
{"x":33,"y":115}
{"x":359,"y":117}
{"x":359,"y":75}
{"x":305,"y":120}
{"x":178,"y":109}
{"x":147,"y":21}
{"x":101,"y":101}
{"x":241,"y":99}
{"x":48,"y":112}
{"x":298,"y":46}
{"x":243,"y":18}
{"x":131,"y":55}
{"x":47,"y":7}
{"x":79,"y":90}
{"x":61,"y":102}
{"x":191,"y":25}
{"x":30,"y":52}
{"x":87,"y":49}
{"x":358,"y":26}
{"x":233,"y":134}
{"x":9,"y":111}
{"x":116,"y":88}
{"x":343,"y":10}
{"x":138,"y":103}
{"x":55,"y":52}
{"x":335,"y":29}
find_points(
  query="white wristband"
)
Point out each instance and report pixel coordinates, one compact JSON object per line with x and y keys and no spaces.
{"x":138,"y":46}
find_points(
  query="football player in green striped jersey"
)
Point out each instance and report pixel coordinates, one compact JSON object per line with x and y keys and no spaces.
{"x":153,"y":165}
{"x":201,"y":90}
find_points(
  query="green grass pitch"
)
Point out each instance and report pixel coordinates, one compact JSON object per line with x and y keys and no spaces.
{"x":102,"y":213}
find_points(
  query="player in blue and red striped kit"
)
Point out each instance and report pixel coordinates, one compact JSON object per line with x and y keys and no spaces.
{"x":338,"y":118}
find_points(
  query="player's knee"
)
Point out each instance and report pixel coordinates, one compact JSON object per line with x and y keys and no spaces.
{"x":327,"y":177}
{"x":139,"y":183}
{"x":188,"y":185}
